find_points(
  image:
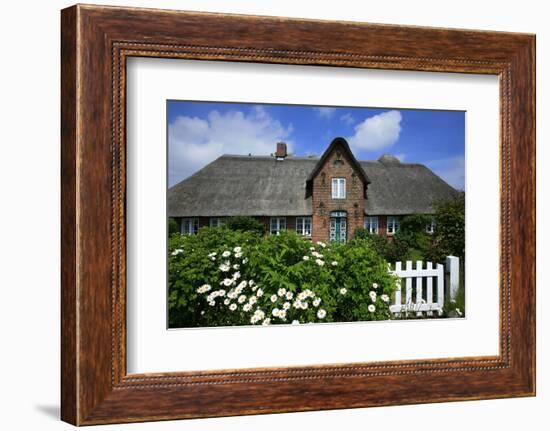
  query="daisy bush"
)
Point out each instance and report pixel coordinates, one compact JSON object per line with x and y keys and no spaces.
{"x":224,"y":277}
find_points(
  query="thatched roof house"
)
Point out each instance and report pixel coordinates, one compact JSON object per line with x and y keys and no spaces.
{"x":320,"y":197}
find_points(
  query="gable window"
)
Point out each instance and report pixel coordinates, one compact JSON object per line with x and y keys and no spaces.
{"x":371,"y":224}
{"x":338,"y":188}
{"x":430,"y":227}
{"x":393,"y":225}
{"x":276,"y":225}
{"x":189,"y":226}
{"x":216,"y":222}
{"x":303,"y":226}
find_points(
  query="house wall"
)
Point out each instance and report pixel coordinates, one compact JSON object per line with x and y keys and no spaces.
{"x":323,"y":203}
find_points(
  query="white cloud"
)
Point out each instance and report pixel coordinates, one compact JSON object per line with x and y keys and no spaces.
{"x":400,"y":157}
{"x":347,"y":119}
{"x":377,"y":132}
{"x":194,"y":142}
{"x":326,"y":112}
{"x":451,"y":169}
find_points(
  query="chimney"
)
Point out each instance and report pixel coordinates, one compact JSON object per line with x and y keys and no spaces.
{"x":280,"y":154}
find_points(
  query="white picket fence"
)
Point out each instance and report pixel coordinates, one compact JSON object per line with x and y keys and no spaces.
{"x":431,"y":286}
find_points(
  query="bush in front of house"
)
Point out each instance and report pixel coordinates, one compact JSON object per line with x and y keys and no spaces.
{"x":225,"y":277}
{"x":245,"y":224}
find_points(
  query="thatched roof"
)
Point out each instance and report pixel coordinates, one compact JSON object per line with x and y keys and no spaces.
{"x":262,"y":186}
{"x":402,"y":188}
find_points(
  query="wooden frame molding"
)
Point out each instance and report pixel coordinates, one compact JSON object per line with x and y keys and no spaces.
{"x":95,"y":43}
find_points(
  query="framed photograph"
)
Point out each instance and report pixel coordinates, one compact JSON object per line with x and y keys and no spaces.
{"x":264,"y":214}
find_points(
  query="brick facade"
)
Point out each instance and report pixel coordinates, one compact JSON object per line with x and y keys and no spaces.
{"x":337,"y":164}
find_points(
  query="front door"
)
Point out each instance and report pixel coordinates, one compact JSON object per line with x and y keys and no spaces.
{"x":338,"y":229}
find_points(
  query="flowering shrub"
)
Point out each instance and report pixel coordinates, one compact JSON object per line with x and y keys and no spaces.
{"x":223,"y":277}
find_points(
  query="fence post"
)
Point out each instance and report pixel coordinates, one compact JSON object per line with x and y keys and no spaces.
{"x":452,"y":271}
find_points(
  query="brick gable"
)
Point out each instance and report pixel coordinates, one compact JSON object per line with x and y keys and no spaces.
{"x":337,"y":163}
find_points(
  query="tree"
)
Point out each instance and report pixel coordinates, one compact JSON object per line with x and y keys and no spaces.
{"x":449,"y":235}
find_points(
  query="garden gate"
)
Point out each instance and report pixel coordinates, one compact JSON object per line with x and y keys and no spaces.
{"x":431,"y":286}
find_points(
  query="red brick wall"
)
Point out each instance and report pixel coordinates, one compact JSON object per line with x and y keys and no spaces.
{"x":322,"y":202}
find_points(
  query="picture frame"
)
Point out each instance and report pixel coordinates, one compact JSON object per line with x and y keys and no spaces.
{"x":96,"y":41}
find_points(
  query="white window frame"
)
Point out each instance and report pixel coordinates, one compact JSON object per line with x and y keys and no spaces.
{"x":371,"y":224}
{"x":276,"y":225}
{"x":338,"y":188}
{"x":430,"y":227}
{"x":189,"y":226}
{"x":217,"y":222}
{"x":303,"y":226}
{"x":392,"y":225}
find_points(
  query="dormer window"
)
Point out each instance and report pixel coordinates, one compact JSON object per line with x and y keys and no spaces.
{"x":338,"y":188}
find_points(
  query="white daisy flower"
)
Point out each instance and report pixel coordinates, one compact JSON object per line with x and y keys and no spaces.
{"x":224,"y":267}
{"x":236,"y":275}
{"x":289,"y":295}
{"x":273,"y":298}
{"x":227,"y":282}
{"x":304,"y":305}
{"x":204,"y":288}
{"x":281,"y":292}
{"x":233,"y":307}
{"x":312,"y":248}
{"x":321,"y":313}
{"x":212,"y":303}
{"x":319,"y":262}
{"x":212,"y":254}
{"x":226,"y":301}
{"x":236,"y":266}
{"x":305,"y":257}
{"x":343,"y":291}
{"x":177,"y":251}
{"x":372,"y":295}
{"x":247,"y":307}
{"x":252,"y":300}
{"x":245,"y":260}
{"x":375,"y":285}
{"x":237,"y":249}
{"x":334,"y":263}
{"x":385,"y":298}
{"x":266,"y":321}
{"x":371,"y":308}
{"x":275,"y":312}
{"x":241,"y":299}
{"x":286,"y":305}
{"x":226,"y":253}
{"x":242,"y":284}
{"x":316,"y":302}
{"x":295,"y":322}
{"x":238,"y":255}
{"x":259,"y":293}
{"x":251,"y":282}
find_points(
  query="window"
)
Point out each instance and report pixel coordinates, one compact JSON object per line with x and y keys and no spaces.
{"x":338,"y":188}
{"x":189,"y":226}
{"x":393,"y":225}
{"x":303,"y":226}
{"x":371,"y":224}
{"x":216,"y":222}
{"x":430,"y":227}
{"x":277,"y":224}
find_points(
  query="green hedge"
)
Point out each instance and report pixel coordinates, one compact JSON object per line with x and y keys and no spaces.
{"x":225,"y":277}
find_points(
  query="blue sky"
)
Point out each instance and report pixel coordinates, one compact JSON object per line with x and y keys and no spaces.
{"x":199,"y":132}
